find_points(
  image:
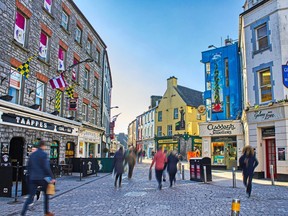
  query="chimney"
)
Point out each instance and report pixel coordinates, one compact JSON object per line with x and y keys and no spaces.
{"x":228,"y":41}
{"x":172,"y":81}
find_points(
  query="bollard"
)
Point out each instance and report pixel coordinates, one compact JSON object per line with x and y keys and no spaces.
{"x":16,"y":190}
{"x":179,"y":167}
{"x":272,"y":174}
{"x":234,"y":177}
{"x":205,"y":174}
{"x":183,"y":177}
{"x":81,"y":169}
{"x":235,"y":208}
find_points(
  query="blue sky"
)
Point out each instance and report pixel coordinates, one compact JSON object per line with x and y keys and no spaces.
{"x":150,"y":40}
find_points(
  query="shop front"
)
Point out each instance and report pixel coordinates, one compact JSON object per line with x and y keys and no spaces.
{"x":89,"y":143}
{"x":222,"y":141}
{"x":267,"y":133}
{"x":148,"y":147}
{"x":167,"y":143}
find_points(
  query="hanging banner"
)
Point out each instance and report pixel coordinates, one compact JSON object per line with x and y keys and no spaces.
{"x":285,"y":75}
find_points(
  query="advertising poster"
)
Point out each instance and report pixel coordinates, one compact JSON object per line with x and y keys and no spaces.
{"x":281,"y":154}
{"x":217,"y":83}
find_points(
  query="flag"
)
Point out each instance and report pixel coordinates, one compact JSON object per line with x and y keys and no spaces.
{"x":58,"y":100}
{"x":61,"y":54}
{"x":24,"y":68}
{"x":74,"y":74}
{"x":69,"y":91}
{"x":19,"y":31}
{"x":47,"y":5}
{"x":58,"y":82}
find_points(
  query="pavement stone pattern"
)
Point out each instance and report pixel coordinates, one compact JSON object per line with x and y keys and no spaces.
{"x":139,"y":196}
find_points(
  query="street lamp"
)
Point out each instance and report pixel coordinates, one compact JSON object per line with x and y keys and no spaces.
{"x":86,"y":60}
{"x":114,"y":107}
{"x":212,"y":46}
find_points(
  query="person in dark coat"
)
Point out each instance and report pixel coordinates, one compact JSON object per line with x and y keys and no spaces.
{"x":172,"y":161}
{"x":248,"y":162}
{"x":39,"y":172}
{"x":131,"y":160}
{"x":118,"y":166}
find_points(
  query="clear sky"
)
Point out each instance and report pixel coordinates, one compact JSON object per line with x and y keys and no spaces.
{"x":150,"y":40}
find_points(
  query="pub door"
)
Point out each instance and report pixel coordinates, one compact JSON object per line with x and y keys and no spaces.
{"x":271,"y":157}
{"x":16,"y":155}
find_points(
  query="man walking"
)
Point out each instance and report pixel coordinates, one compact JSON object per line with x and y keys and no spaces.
{"x":159,"y":159}
{"x":39,"y":170}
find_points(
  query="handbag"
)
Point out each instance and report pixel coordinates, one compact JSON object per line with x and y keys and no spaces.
{"x":150,"y":174}
{"x":50,"y":189}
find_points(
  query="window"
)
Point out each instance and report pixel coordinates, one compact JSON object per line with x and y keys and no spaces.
{"x":86,"y":79}
{"x":265,"y":86}
{"x":159,"y":131}
{"x":61,"y":59}
{"x":226,"y":72}
{"x":207,"y":66}
{"x":20,"y":29}
{"x":48,"y":5}
{"x":88,"y":46}
{"x":84,"y":112}
{"x":95,"y":87}
{"x":228,"y":107}
{"x":262,"y":37}
{"x":43,"y":47}
{"x":75,"y":70}
{"x":94,"y":117}
{"x":78,"y":35}
{"x":176,"y":113}
{"x":169,"y":130}
{"x":160,"y":116}
{"x":97,"y":56}
{"x":15,"y":84}
{"x":65,"y":20}
{"x":208,"y":108}
{"x":40,"y":93}
{"x":208,"y":85}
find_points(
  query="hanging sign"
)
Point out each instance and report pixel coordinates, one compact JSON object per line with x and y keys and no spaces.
{"x":285,"y":75}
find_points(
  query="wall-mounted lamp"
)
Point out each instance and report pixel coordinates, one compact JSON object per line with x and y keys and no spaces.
{"x":70,"y":117}
{"x":2,"y":79}
{"x":30,"y":92}
{"x":6,"y":97}
{"x":114,"y":107}
{"x":56,"y":112}
{"x":35,"y":106}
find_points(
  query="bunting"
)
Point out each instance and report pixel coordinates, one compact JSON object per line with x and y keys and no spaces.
{"x":24,"y":68}
{"x":58,"y":100}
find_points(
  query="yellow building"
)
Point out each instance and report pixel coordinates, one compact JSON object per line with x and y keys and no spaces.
{"x":177,"y":117}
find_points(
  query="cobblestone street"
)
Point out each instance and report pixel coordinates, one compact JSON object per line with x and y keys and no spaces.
{"x":139,"y":196}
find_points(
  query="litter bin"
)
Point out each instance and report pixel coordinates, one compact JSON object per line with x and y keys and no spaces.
{"x":197,"y":170}
{"x":6,"y":181}
{"x":25,"y":181}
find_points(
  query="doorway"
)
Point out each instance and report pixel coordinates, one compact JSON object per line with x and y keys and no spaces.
{"x":271,"y":157}
{"x":16,"y":151}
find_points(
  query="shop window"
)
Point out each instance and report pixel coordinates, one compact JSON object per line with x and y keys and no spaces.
{"x":48,"y":5}
{"x":70,"y":150}
{"x":43,"y":47}
{"x":65,"y":20}
{"x":218,"y":153}
{"x":40,"y":94}
{"x":160,"y":116}
{"x":265,"y":86}
{"x":224,"y":151}
{"x":54,"y":152}
{"x":15,"y":85}
{"x":61,"y":59}
{"x":78,"y":35}
{"x":20,"y":29}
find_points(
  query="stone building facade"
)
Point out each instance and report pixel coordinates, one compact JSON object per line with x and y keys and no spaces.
{"x":58,"y":35}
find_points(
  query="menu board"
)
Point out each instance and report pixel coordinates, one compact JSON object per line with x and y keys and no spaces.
{"x":5,"y":160}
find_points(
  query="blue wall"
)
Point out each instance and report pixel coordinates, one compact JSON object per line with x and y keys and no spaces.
{"x":219,"y":91}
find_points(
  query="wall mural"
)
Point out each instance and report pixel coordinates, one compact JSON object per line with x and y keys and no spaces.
{"x":217,"y":84}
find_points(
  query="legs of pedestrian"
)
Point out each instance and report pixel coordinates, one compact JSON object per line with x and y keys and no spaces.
{"x":171,"y":179}
{"x":130,"y":171}
{"x":32,"y":191}
{"x":158,"y":174}
{"x":249,"y":185}
{"x":164,"y":175}
{"x":120,"y":179}
{"x":245,"y":177}
{"x":116,"y":178}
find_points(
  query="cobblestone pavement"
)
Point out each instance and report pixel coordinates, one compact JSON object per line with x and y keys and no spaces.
{"x":139,"y":196}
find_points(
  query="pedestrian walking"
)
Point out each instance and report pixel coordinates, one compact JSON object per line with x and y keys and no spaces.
{"x":131,"y":160}
{"x":39,"y":170}
{"x":172,"y":161}
{"x":248,"y":162}
{"x":159,"y":160}
{"x":118,"y":166}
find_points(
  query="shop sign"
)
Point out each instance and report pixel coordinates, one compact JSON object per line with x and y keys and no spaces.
{"x":268,"y":132}
{"x":20,"y":120}
{"x":285,"y":75}
{"x":167,"y":141}
{"x":64,"y":129}
{"x":265,"y":115}
{"x":281,"y":154}
{"x":214,"y":129}
{"x":89,"y":136}
{"x":220,"y":129}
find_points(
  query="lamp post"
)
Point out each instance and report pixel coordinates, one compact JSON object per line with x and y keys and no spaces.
{"x":71,"y":66}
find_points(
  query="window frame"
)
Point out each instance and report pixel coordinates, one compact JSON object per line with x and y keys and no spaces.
{"x":47,"y":58}
{"x":96,"y":87}
{"x":65,"y":25}
{"x":42,"y":99}
{"x":226,"y":71}
{"x":17,"y":89}
{"x":94,"y":118}
{"x":159,"y":131}
{"x":25,"y":30}
{"x":260,"y":86}
{"x":263,"y":37}
{"x":176,"y":113}
{"x":77,"y":36}
{"x":89,"y":49}
{"x":160,"y":117}
{"x":49,"y":11}
{"x":169,"y":130}
{"x":208,"y":69}
{"x":64,"y":57}
{"x":86,"y":79}
{"x":98,"y":54}
{"x":84,"y":114}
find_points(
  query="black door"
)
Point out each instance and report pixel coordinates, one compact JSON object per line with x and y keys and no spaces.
{"x":16,"y":155}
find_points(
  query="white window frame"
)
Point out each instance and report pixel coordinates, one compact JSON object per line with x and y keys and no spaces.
{"x":84,"y":112}
{"x":95,"y":116}
{"x":86,"y":79}
{"x":14,"y":72}
{"x":266,"y":85}
{"x":265,"y":36}
{"x":159,"y":131}
{"x":47,"y":8}
{"x":169,"y":130}
{"x":24,"y":31}
{"x":46,"y":59}
{"x":78,"y":34}
{"x":95,"y":87}
{"x":98,"y":53}
{"x":88,"y":46}
{"x":40,"y":86}
{"x":64,"y":23}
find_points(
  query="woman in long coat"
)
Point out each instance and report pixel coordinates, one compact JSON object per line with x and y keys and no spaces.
{"x":118,"y":166}
{"x":172,"y":161}
{"x":248,"y":163}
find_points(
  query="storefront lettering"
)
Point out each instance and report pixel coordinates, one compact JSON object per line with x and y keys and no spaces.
{"x":64,"y":129}
{"x":30,"y":122}
{"x":264,"y":116}
{"x":220,"y":129}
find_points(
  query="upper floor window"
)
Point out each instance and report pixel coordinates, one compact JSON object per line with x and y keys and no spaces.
{"x":262,"y":37}
{"x":61,"y":59}
{"x":226,"y":72}
{"x":15,"y":85}
{"x":48,"y":5}
{"x":159,"y":130}
{"x":86,"y":79}
{"x":64,"y":20}
{"x":88,"y":46}
{"x":176,"y":113}
{"x":265,"y":86}
{"x":160,"y":116}
{"x":169,"y":130}
{"x":97,"y":56}
{"x":78,"y":35}
{"x":207,"y":66}
{"x":20,"y":29}
{"x":95,"y":87}
{"x":208,"y":85}
{"x":208,"y":108}
{"x":40,"y":93}
{"x":43,"y":47}
{"x":84,"y":112}
{"x":94,"y":117}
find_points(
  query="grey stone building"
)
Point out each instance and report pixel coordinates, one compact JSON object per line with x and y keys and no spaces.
{"x":59,"y":36}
